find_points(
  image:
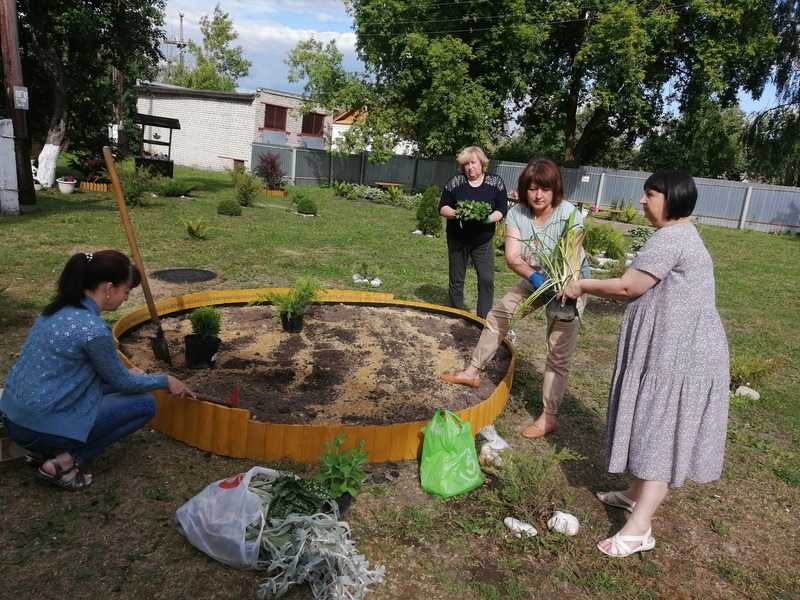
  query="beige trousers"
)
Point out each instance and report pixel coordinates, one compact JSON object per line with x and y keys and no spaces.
{"x":562,"y":339}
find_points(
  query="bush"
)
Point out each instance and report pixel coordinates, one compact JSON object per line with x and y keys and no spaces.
{"x":229,"y":207}
{"x":196,"y":229}
{"x":294,"y":302}
{"x":91,"y":167}
{"x":342,"y":188}
{"x":173,"y":188}
{"x":429,"y":221}
{"x":639,"y":237}
{"x":603,"y":238}
{"x":206,"y":321}
{"x":628,"y":214}
{"x":134,"y":185}
{"x":306,"y":206}
{"x":396,"y":196}
{"x":247,"y":188}
{"x":269,"y":169}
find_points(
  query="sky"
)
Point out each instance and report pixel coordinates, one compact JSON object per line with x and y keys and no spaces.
{"x":268,"y":29}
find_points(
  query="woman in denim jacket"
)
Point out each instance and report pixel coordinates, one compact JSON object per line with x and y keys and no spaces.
{"x":68,"y":397}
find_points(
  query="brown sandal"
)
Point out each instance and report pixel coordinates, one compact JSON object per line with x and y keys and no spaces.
{"x":75,"y":484}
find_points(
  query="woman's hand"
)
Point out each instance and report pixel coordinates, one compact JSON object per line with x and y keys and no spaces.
{"x":178,"y":388}
{"x":572,"y":291}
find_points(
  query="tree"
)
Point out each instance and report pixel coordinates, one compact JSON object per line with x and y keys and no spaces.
{"x":69,"y":49}
{"x":449,"y":72}
{"x":708,"y":142}
{"x":773,"y":139}
{"x":218,"y":66}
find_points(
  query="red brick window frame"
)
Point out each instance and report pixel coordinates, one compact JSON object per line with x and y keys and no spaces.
{"x":275,"y":117}
{"x":313,"y":124}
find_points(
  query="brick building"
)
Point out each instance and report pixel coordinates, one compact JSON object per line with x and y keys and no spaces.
{"x":219,"y":128}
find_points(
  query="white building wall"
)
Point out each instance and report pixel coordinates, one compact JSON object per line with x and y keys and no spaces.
{"x":9,"y":195}
{"x":213,"y":133}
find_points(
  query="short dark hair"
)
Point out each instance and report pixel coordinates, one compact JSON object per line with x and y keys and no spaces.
{"x":544,"y":173}
{"x":86,"y":271}
{"x":680,"y":192}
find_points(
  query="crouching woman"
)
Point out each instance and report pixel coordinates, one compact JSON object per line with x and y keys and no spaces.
{"x":68,"y":397}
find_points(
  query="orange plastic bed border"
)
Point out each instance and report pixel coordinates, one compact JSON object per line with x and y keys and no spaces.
{"x":233,"y":432}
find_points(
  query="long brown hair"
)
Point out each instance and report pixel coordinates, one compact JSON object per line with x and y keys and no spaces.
{"x":86,"y":271}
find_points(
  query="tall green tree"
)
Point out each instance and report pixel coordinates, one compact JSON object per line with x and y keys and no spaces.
{"x":69,"y":49}
{"x":456,"y":71}
{"x":707,"y":141}
{"x":773,"y":139}
{"x":217,"y":64}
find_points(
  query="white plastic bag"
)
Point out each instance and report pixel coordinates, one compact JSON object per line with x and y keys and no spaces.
{"x":215,"y":520}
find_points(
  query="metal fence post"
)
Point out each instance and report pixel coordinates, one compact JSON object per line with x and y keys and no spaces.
{"x":599,"y":191}
{"x":416,"y":169}
{"x":361,"y":171}
{"x":330,"y":168}
{"x":294,"y":165}
{"x":745,"y":207}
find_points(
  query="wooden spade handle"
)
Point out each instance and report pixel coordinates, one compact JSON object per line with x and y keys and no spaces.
{"x":126,"y":223}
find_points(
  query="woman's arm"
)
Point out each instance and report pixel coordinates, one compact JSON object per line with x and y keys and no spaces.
{"x":448,"y":212}
{"x":631,"y":285}
{"x":103,"y":355}
{"x":495,"y":216}
{"x":513,"y":252}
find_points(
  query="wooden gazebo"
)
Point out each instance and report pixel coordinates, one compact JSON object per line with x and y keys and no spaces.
{"x":162,"y":166}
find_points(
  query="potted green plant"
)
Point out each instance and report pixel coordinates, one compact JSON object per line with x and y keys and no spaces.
{"x":292,"y":305}
{"x":66,"y":184}
{"x":561,"y":265}
{"x":203,"y":343}
{"x":341,"y":472}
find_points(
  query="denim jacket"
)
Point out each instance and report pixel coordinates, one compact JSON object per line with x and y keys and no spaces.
{"x":67,"y":363}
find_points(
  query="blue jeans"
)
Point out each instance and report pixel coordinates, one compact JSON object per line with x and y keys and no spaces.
{"x":118,"y":416}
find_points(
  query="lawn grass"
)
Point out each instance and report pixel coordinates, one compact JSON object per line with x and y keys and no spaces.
{"x":117,"y":539}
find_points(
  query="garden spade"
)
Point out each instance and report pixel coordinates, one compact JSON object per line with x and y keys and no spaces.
{"x":159,"y":343}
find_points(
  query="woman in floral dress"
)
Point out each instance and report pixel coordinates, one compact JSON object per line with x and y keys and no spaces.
{"x":668,"y":402}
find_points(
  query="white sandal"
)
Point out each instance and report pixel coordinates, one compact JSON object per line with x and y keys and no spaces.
{"x":617,"y":500}
{"x":625,"y":545}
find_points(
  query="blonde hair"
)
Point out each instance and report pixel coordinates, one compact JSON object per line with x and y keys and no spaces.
{"x":464,"y":156}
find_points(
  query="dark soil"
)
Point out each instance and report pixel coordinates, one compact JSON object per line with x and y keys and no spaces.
{"x":350,"y":364}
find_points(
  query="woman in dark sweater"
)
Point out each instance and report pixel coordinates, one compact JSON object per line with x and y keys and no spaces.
{"x":68,"y":397}
{"x":470,"y":239}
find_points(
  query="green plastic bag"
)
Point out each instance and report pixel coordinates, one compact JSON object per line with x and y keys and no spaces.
{"x":449,"y":463}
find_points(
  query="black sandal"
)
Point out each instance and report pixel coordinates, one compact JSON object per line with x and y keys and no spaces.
{"x":76,"y":484}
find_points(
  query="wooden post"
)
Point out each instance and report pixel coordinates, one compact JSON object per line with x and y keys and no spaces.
{"x":12,"y":70}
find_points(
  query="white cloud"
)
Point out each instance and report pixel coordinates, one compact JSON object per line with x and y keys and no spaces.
{"x":277,"y":32}
{"x":268,"y":30}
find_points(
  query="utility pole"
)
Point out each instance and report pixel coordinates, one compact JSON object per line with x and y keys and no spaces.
{"x":180,"y":44}
{"x":17,"y":99}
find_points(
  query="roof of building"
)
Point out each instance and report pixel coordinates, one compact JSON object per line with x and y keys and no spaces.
{"x":166,"y":89}
{"x":348,"y":117}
